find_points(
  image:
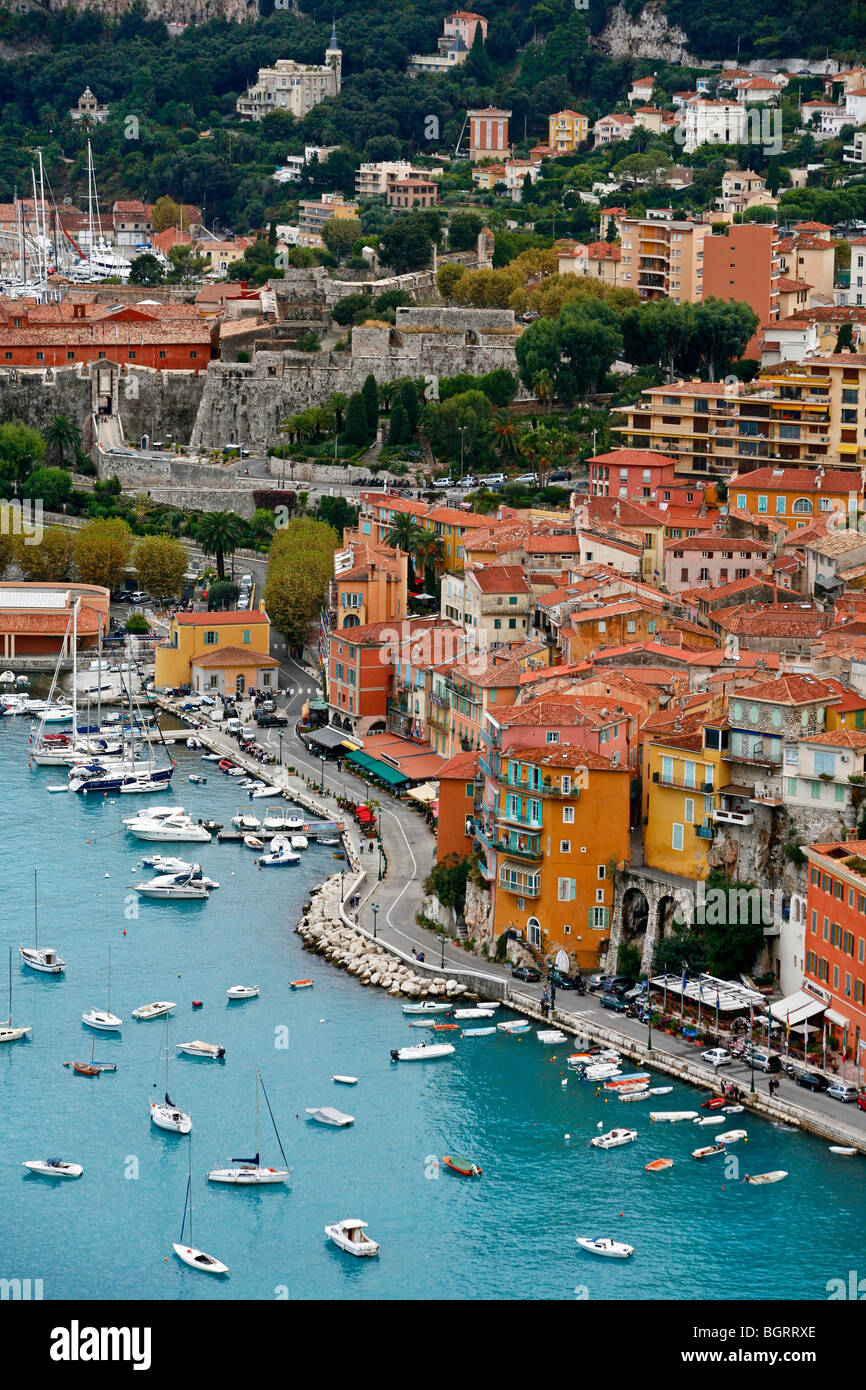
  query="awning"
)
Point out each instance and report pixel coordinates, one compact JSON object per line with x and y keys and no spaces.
{"x":797,"y":1007}
{"x":352,"y":747}
{"x":839,"y":1019}
{"x":327,"y":738}
{"x":428,"y":791}
{"x":376,"y":768}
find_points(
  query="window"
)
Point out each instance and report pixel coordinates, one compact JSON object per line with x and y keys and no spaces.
{"x":566,"y":784}
{"x":599,"y":917}
{"x":246,"y":636}
{"x":210,"y":638}
{"x":552,"y":736}
{"x":667,"y":769}
{"x":565,"y":847}
{"x":566,"y":890}
{"x":568,"y":815}
{"x":601,"y":871}
{"x":599,"y":895}
{"x":689,"y":812}
{"x":677,"y":840}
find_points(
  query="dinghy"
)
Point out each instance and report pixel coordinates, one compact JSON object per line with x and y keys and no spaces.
{"x":53,"y":1168}
{"x":842,"y":1149}
{"x":349,"y":1236}
{"x":548,"y":1036}
{"x":345,"y":1080}
{"x":464,"y":1166}
{"x":642,"y":1093}
{"x":300,"y":984}
{"x":423,"y":1052}
{"x":518,"y":1025}
{"x":327,"y":1115}
{"x":710,"y":1120}
{"x":427,"y":1006}
{"x":254,"y":842}
{"x":658,"y":1165}
{"x":708,"y":1151}
{"x":732,"y":1110}
{"x":613,"y":1139}
{"x":601,"y":1245}
{"x":477,"y":1032}
{"x":776,"y":1176}
{"x":672,"y":1116}
{"x":472,"y":1013}
{"x":242,"y":992}
{"x":633,"y":1079}
{"x":731,"y":1136}
{"x":199,"y":781}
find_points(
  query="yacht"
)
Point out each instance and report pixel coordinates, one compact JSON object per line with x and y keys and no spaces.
{"x":168,"y":829}
{"x":173,"y":887}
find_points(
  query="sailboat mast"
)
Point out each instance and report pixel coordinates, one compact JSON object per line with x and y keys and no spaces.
{"x":109,"y":979}
{"x":75,"y":668}
{"x":98,"y":675}
{"x":258,"y":1123}
{"x":36,"y":216}
{"x":90,"y":201}
{"x":35,"y":908}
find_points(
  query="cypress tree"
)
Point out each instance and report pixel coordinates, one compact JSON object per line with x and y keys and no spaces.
{"x":356,"y":431}
{"x":400,"y":431}
{"x":370,"y":392}
{"x":409,"y":399}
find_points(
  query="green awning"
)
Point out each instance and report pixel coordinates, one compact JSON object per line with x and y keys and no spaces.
{"x":377,"y":769}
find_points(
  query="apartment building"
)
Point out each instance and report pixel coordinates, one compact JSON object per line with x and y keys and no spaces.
{"x":412,"y":190}
{"x":610,"y":129}
{"x":314,"y":213}
{"x":683,"y":774}
{"x":713,"y":122}
{"x":663,"y":259}
{"x":493,"y":600}
{"x":811,"y":260}
{"x":488,"y":134}
{"x":599,"y":260}
{"x":835,"y":964}
{"x":796,"y":495}
{"x":745,"y":263}
{"x":371,"y":180}
{"x":294,"y":87}
{"x":566,"y":130}
{"x":696,"y":560}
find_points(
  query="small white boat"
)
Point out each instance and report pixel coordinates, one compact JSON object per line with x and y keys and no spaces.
{"x":841,"y":1149}
{"x":710,"y":1120}
{"x":472,"y":1013}
{"x":428,"y":1006}
{"x":300,"y":842}
{"x":276,"y":859}
{"x":254,"y":842}
{"x":236,"y":771}
{"x":102,"y":1019}
{"x":198,"y":1259}
{"x":42,"y":958}
{"x":53,"y":1168}
{"x":171,"y":829}
{"x":193,"y":742}
{"x":601,"y":1245}
{"x":731,"y":1136}
{"x":264,"y":791}
{"x":637,"y":1078}
{"x":211,"y":1051}
{"x":663,"y":1091}
{"x":642,"y":1093}
{"x":422,"y":1052}
{"x":245,"y":820}
{"x":345,"y":1080}
{"x":179,"y":887}
{"x":293,"y":823}
{"x":614,"y":1138}
{"x":55,"y":788}
{"x":603,"y":1072}
{"x":709,"y":1151}
{"x":211,"y":757}
{"x":732,"y":1109}
{"x":349,"y":1236}
{"x":140,"y":786}
{"x":166,"y":1115}
{"x":673,"y":1116}
{"x":327,"y":1115}
{"x":776,"y":1176}
{"x":155,"y":1010}
{"x":549,"y":1035}
{"x":477,"y":1032}
{"x":199,"y":781}
{"x":514,"y":1025}
{"x":242,"y":992}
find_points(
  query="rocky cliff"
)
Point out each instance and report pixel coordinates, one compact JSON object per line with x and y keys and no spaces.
{"x":175,"y":12}
{"x":650,"y":35}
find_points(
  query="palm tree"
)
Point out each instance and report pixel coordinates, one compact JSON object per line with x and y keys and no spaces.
{"x":404,"y":535}
{"x":63,"y":437}
{"x":542,"y":385}
{"x":338,"y":403}
{"x":507,"y":435}
{"x":428,"y":551}
{"x":220,"y":534}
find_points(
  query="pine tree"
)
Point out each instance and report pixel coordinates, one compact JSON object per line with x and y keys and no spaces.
{"x":408,"y":397}
{"x":370,"y":392}
{"x":357,"y":431}
{"x":400,"y":431}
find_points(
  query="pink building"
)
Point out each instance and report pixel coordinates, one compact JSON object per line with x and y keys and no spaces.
{"x":638,"y":475}
{"x":462,"y":24}
{"x":694,"y":561}
{"x":488,"y":134}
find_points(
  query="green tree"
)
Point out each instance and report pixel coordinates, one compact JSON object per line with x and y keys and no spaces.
{"x":357,"y":431}
{"x":102,"y":550}
{"x":845,"y":338}
{"x":166,"y":213}
{"x":222,"y":593}
{"x":220,"y":534}
{"x":146,"y":269}
{"x":409,"y":396}
{"x":137,"y":625}
{"x":399,"y":429}
{"x":160,"y":563}
{"x":51,"y":560}
{"x":463,"y":231}
{"x":63,"y":438}
{"x":406,"y":244}
{"x":339,"y":235}
{"x":21,"y":449}
{"x":370,"y":392}
{"x":187,"y":264}
{"x":52,"y":486}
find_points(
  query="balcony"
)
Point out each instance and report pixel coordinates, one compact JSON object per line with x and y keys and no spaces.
{"x":516,"y":880}
{"x":509,"y":818}
{"x":705,"y":831}
{"x":517,"y":846}
{"x":680,"y":785}
{"x":733,"y":817}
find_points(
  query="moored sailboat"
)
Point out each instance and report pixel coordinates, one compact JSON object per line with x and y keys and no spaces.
{"x":249,"y":1172}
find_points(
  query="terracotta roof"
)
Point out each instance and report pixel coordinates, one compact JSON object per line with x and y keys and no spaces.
{"x":499,"y":579}
{"x":640,"y":458}
{"x":220,"y":619}
{"x":788,"y":690}
{"x":840,"y":480}
{"x":498,"y":676}
{"x":737,"y":545}
{"x":234,"y":656}
{"x":839,"y":738}
{"x":49,"y":624}
{"x":563,"y":755}
{"x":461,"y":767}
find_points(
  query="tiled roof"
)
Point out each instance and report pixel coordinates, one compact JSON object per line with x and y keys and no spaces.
{"x":499,"y":579}
{"x":564,"y":755}
{"x":839,"y":738}
{"x":234,"y":656}
{"x":635,"y":458}
{"x":739,"y":545}
{"x":221,"y":619}
{"x":804,"y":480}
{"x":461,"y":767}
{"x":788,"y":690}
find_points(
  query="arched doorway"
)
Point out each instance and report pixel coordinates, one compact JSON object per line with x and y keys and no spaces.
{"x":635,"y":916}
{"x":665,"y":914}
{"x":240,"y":685}
{"x":533,"y":931}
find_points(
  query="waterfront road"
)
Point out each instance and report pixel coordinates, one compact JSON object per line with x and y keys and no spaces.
{"x":409,"y":846}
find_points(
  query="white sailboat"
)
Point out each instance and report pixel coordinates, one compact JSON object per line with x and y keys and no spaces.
{"x":196,"y":1259}
{"x":249,"y":1172}
{"x":103,"y":261}
{"x":104,"y":1019}
{"x":8,"y":1032}
{"x":165,"y":1114}
{"x":42,"y":958}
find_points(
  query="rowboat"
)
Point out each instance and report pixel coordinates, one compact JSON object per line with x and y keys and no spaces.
{"x":472,"y":1013}
{"x":427,"y":1006}
{"x":731,"y":1136}
{"x":550,"y":1036}
{"x":842,"y":1149}
{"x":423,"y":1052}
{"x":301,"y":984}
{"x":326,"y":1115}
{"x":633,"y":1079}
{"x":658,"y":1165}
{"x":53,"y":1168}
{"x":603,"y":1072}
{"x":642,"y":1094}
{"x":155,"y":1010}
{"x":442,"y":1027}
{"x":776,"y":1176}
{"x":710,"y":1120}
{"x":613,"y":1138}
{"x":600,"y":1245}
{"x":514,"y":1026}
{"x":672,"y":1116}
{"x":477,"y":1032}
{"x":345,"y":1080}
{"x":464,"y":1166}
{"x":708,"y":1151}
{"x":732,"y":1110}
{"x":349,"y":1236}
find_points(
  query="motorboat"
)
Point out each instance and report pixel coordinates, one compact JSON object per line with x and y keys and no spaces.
{"x":275,"y":818}
{"x":249,"y":1172}
{"x":300,"y":842}
{"x":245,"y":820}
{"x":345,"y":1080}
{"x":211,"y":1052}
{"x":58,"y":714}
{"x":176,"y":828}
{"x":472,"y":1013}
{"x":759,"y":1178}
{"x":276,"y":859}
{"x":603,"y":1072}
{"x":242,"y":992}
{"x":427,"y":1006}
{"x":254,"y":842}
{"x":731,"y":1136}
{"x":236,"y":771}
{"x":199,"y":781}
{"x":709,"y":1120}
{"x":294,"y":823}
{"x":614,"y":1138}
{"x":601,"y":1245}
{"x":464,"y":1166}
{"x":659,"y":1165}
{"x":42,"y":958}
{"x":211,"y":757}
{"x":638,"y":1078}
{"x":301,"y":984}
{"x":708,"y":1151}
{"x":422,"y":1052}
{"x":327,"y":1115}
{"x":673,"y":1116}
{"x":349,"y":1236}
{"x":155,"y":813}
{"x":193,"y":742}
{"x":251,"y":784}
{"x":842,"y":1149}
{"x":548,"y":1036}
{"x":265,"y":791}
{"x":156,"y":1010}
{"x":174,"y":887}
{"x":105,"y":776}
{"x":53,"y":1168}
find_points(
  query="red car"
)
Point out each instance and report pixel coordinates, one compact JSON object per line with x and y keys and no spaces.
{"x":861,"y":1100}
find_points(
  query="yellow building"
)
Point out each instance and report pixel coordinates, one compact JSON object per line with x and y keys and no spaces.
{"x":682,"y":776}
{"x":314,"y":213}
{"x":566,"y":130}
{"x":194,"y":635}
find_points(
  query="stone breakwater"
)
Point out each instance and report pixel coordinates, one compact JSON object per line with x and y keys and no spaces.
{"x":322,"y":930}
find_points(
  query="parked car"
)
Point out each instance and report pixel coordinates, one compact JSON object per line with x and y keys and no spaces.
{"x":561,"y":980}
{"x":637,"y":993}
{"x":246,"y":581}
{"x":620,"y":984}
{"x":527,"y":973}
{"x":844,"y":1090}
{"x":243,"y":603}
{"x":271,"y":721}
{"x":614,"y":1002}
{"x":596,"y":981}
{"x":861,"y":1101}
{"x":233,"y":726}
{"x":139,"y":596}
{"x":812,"y":1081}
{"x":717,"y":1057}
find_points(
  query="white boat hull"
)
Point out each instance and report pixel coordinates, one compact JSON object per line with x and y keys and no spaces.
{"x":198,"y":1259}
{"x":342,"y":1238}
{"x":169,"y":1117}
{"x":249,"y":1176}
{"x":46,"y":961}
{"x":158,"y":1010}
{"x":210,"y":1052}
{"x":611,"y":1249}
{"x":53,"y":1170}
{"x":104,"y":1022}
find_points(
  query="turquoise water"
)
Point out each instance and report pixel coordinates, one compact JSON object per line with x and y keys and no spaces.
{"x":510,"y":1234}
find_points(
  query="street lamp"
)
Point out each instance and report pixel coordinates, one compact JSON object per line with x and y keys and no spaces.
{"x":341,"y":886}
{"x":281,"y":747}
{"x":649,"y":1020}
{"x":375,"y":907}
{"x":380,"y":862}
{"x":442,"y":958}
{"x":322,"y":774}
{"x":462,"y":431}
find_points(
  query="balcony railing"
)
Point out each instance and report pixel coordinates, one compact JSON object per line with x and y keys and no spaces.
{"x":705,"y":831}
{"x":682,"y":785}
{"x":522,"y":885}
{"x":510,"y":818}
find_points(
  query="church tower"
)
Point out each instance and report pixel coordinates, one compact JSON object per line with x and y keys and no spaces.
{"x":334,"y":55}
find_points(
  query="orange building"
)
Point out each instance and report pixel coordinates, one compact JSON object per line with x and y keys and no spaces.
{"x":610,"y":625}
{"x":836,"y":938}
{"x":745,"y":264}
{"x":165,"y":337}
{"x":456,"y":820}
{"x":370,"y":584}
